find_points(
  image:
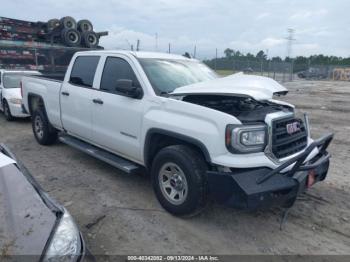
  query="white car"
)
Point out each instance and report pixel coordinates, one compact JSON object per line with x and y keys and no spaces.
{"x":10,"y":93}
{"x":194,"y":132}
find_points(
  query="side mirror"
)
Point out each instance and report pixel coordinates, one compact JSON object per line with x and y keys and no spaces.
{"x":126,"y":87}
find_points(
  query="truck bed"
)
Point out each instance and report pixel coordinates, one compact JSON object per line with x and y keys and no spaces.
{"x":48,"y":88}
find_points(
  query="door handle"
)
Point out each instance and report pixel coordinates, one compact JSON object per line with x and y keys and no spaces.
{"x":65,"y":93}
{"x":97,"y":101}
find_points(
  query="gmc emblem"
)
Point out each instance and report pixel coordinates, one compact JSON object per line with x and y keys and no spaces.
{"x":293,"y":128}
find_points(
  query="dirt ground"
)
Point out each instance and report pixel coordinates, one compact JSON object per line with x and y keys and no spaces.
{"x":130,"y":220}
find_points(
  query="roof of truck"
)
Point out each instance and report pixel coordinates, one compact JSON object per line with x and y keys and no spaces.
{"x":139,"y":54}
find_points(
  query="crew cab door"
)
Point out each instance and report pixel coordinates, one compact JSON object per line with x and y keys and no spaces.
{"x":76,"y":97}
{"x":116,"y":118}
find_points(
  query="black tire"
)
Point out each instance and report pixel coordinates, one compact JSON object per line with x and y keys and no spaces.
{"x":193,"y":167}
{"x":44,"y":133}
{"x":71,"y":37}
{"x":7,"y":111}
{"x":90,"y":39}
{"x":85,"y":26}
{"x":52,"y":24}
{"x":68,"y":22}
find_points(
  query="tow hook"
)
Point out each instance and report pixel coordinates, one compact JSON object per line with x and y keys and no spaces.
{"x":311,"y":178}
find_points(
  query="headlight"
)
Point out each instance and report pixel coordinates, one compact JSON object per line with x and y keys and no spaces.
{"x":16,"y":101}
{"x":245,"y":139}
{"x":65,"y":244}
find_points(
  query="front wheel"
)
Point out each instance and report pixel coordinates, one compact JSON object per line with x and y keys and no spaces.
{"x":179,"y":180}
{"x":44,"y":133}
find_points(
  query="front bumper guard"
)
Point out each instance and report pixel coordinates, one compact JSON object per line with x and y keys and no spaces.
{"x":262,"y":187}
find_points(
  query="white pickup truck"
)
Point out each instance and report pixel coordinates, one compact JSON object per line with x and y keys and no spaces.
{"x":196,"y":134}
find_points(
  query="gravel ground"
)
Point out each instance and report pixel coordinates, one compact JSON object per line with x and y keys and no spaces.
{"x":130,"y":220}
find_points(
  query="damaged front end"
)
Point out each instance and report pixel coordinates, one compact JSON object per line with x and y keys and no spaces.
{"x":244,"y":108}
{"x":257,"y":188}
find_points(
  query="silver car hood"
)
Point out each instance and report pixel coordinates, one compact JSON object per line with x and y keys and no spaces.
{"x":26,"y":222}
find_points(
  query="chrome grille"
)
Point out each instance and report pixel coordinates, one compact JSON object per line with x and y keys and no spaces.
{"x":286,"y":143}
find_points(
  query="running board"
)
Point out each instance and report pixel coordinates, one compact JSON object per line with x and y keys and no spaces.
{"x":116,"y":161}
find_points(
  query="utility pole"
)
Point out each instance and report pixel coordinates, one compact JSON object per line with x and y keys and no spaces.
{"x":290,"y":39}
{"x":194,"y":51}
{"x":216,"y":57}
{"x":169,"y":48}
{"x":138,"y":45}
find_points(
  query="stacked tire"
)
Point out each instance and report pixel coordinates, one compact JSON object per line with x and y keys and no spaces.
{"x":74,"y":34}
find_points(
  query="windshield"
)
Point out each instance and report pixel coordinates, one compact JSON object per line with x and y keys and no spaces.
{"x":12,"y":80}
{"x":166,"y":75}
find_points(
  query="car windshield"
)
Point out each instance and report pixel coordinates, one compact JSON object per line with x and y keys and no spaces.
{"x":166,"y":75}
{"x":12,"y":80}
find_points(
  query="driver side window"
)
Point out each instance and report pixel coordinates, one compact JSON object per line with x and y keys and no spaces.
{"x":115,"y":69}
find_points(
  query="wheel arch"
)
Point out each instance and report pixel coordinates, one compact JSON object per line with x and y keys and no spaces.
{"x":3,"y":101}
{"x":35,"y":101}
{"x":157,"y":139}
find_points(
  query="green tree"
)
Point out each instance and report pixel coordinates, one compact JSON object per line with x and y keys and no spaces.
{"x":229,"y":52}
{"x":276,"y":59}
{"x":261,"y":55}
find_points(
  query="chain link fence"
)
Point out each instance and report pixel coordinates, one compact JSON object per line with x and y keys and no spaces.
{"x":325,"y":72}
{"x":280,"y":71}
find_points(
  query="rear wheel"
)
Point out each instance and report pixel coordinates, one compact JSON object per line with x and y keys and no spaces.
{"x":7,"y":111}
{"x":52,"y":24}
{"x":44,"y":133}
{"x":85,"y":26}
{"x":179,"y":180}
{"x":90,"y":39}
{"x":68,"y":22}
{"x":71,"y":37}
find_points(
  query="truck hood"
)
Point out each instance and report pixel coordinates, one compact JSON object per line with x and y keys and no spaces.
{"x":257,"y":87}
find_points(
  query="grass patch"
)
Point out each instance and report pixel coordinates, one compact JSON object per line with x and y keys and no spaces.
{"x":224,"y":72}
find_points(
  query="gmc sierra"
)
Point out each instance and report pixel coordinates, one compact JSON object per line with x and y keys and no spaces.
{"x":195,"y":133}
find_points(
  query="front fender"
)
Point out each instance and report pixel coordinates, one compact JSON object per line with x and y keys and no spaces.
{"x":203,"y":126}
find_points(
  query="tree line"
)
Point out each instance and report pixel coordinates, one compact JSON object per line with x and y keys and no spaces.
{"x":299,"y":63}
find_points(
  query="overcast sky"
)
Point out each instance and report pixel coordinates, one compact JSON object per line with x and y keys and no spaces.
{"x":321,"y":26}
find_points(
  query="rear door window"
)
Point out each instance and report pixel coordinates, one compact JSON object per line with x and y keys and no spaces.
{"x":116,"y":68}
{"x":83,"y":71}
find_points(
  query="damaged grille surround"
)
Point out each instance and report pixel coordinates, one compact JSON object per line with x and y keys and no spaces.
{"x":280,"y":144}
